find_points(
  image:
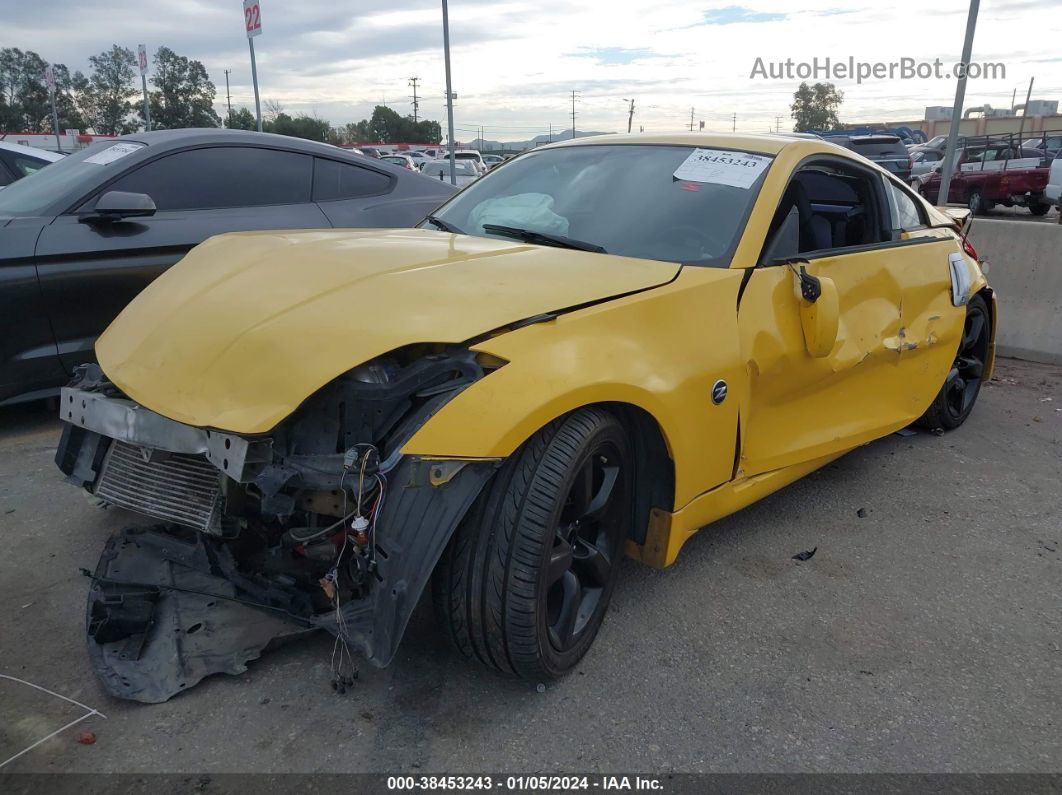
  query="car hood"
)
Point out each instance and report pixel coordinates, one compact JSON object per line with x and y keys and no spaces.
{"x":248,"y":325}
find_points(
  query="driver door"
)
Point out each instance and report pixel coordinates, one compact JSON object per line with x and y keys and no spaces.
{"x":896,"y":334}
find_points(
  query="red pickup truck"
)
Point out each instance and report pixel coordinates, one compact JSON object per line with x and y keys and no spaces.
{"x":994,"y":173}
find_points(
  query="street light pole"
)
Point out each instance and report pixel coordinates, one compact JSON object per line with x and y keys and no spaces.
{"x":956,"y":112}
{"x":449,"y":94}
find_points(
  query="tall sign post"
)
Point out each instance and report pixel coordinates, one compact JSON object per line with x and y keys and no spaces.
{"x":449,"y":94}
{"x":141,"y":56}
{"x":252,"y":19}
{"x":49,"y":78}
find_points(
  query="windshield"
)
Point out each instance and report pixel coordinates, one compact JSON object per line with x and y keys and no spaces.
{"x":80,"y":171}
{"x":624,"y":198}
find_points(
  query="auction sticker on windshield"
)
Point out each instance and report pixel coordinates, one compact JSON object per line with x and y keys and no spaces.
{"x":112,"y":153}
{"x":737,"y":169}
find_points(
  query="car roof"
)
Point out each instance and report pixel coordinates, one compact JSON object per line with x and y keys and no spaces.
{"x":31,"y":151}
{"x":212,"y":135}
{"x":768,"y":144}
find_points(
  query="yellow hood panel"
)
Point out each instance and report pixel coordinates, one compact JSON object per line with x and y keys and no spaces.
{"x":248,"y":325}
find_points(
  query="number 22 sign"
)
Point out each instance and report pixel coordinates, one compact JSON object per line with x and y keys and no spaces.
{"x":252,"y":17}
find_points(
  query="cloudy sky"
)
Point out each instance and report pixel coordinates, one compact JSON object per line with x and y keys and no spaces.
{"x":515,"y":62}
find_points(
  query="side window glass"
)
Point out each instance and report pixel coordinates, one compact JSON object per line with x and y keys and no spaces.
{"x":333,"y":180}
{"x":222,"y":176}
{"x":24,"y":166}
{"x":5,"y":177}
{"x":825,"y":207}
{"x":904,"y":211}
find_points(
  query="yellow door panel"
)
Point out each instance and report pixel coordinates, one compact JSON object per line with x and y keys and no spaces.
{"x":896,"y":339}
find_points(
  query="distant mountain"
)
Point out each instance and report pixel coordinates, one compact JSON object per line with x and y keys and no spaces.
{"x":487,"y":145}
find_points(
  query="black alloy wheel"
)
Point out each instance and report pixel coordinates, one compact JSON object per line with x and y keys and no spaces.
{"x":957,"y":397}
{"x":525,"y":582}
{"x":586,"y":544}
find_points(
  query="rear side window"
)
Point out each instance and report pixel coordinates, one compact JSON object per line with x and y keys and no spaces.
{"x":222,"y":176}
{"x":905,"y":213}
{"x":333,"y":180}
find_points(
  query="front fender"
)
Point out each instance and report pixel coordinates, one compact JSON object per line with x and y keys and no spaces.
{"x":661,"y":350}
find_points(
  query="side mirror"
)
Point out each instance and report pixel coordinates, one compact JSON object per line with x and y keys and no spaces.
{"x":115,"y":205}
{"x":820,"y":314}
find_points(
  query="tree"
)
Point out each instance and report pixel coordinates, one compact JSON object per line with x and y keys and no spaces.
{"x":105,"y":96}
{"x":273,"y":108}
{"x":300,"y":126}
{"x":242,"y":119}
{"x":24,"y":98}
{"x":815,"y":107}
{"x":387,"y":126}
{"x":183,"y":95}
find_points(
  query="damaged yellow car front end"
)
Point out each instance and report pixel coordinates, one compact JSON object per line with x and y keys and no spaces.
{"x":600,"y":346}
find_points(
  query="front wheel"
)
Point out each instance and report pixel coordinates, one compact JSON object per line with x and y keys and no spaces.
{"x":525,"y":581}
{"x":956,"y":398}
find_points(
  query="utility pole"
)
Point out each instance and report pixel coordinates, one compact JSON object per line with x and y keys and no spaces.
{"x":573,"y":113}
{"x":777,"y":123}
{"x":142,"y":61}
{"x":228,"y":96}
{"x":733,"y":124}
{"x":416,"y":102}
{"x":550,"y":133}
{"x":691,"y":119}
{"x":956,"y":111}
{"x":1025,"y":111}
{"x":49,"y":77}
{"x":449,"y":94}
{"x":630,"y":114}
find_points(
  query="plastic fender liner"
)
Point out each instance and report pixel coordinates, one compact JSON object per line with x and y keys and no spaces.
{"x":414,"y":527}
{"x":150,"y":636}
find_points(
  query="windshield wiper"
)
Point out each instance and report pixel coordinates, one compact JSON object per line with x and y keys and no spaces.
{"x":531,"y":236}
{"x":443,"y":225}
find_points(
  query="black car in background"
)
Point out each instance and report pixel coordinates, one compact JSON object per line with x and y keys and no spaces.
{"x":79,"y":239}
{"x":887,"y":151}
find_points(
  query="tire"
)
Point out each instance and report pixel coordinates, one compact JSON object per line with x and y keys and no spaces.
{"x":977,"y":204}
{"x":957,"y":397}
{"x":1039,"y":209}
{"x":526,"y":579}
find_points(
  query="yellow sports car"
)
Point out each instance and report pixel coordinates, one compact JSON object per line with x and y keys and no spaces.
{"x":596,"y":349}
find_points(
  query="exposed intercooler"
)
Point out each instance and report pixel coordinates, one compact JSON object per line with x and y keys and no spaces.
{"x":175,"y":487}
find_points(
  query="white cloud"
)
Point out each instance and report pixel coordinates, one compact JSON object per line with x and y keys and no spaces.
{"x":515,"y":63}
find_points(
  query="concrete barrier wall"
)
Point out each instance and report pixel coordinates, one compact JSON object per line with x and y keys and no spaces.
{"x":1025,"y":269}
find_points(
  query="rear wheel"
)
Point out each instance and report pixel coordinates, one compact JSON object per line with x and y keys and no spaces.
{"x":977,"y":203}
{"x":525,"y":582}
{"x":1039,"y":209}
{"x":956,"y":398}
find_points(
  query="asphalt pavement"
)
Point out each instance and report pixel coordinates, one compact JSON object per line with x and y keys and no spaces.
{"x":922,"y":635}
